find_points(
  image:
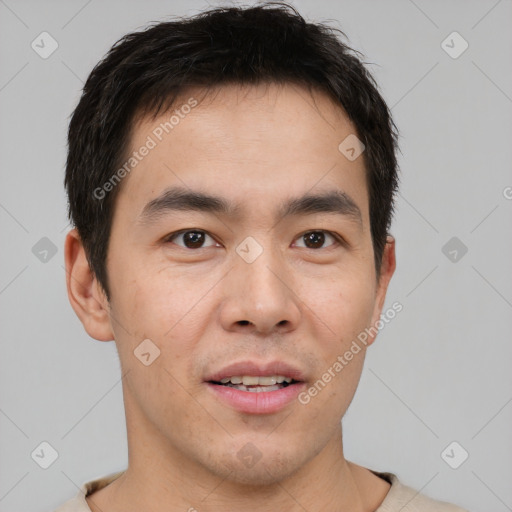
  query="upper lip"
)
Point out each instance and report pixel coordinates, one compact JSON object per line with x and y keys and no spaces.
{"x":252,"y":368}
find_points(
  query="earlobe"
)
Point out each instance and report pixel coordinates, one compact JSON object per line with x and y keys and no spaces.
{"x":84,"y":293}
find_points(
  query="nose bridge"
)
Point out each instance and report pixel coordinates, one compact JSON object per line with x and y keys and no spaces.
{"x":257,"y":265}
{"x":259,"y":292}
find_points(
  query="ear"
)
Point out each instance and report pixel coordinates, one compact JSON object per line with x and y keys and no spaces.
{"x":387,"y":270}
{"x":85,"y":294}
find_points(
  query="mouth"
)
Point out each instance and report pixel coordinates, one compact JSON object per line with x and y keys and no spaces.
{"x":256,"y":384}
{"x":256,"y":389}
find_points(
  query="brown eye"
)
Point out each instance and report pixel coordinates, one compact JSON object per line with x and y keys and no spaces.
{"x":191,"y":239}
{"x":315,"y":239}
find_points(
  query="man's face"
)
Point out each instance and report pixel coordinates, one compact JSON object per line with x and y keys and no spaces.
{"x":246,"y":286}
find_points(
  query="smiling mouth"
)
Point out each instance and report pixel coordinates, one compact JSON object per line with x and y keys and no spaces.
{"x":255,"y":384}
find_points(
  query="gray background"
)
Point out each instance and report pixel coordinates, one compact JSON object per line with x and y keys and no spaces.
{"x":439,"y":372}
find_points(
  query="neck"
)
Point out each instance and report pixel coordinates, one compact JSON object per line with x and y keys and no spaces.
{"x":160,"y":478}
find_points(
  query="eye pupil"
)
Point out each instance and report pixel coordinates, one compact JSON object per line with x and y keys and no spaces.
{"x":317,"y":238}
{"x":193,"y":239}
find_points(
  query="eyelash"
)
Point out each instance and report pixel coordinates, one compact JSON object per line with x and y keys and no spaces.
{"x":337,"y":238}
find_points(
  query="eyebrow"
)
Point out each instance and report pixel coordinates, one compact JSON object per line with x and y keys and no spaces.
{"x":181,"y":199}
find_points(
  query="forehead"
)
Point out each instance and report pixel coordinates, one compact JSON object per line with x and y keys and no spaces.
{"x":251,"y":142}
{"x":266,"y":107}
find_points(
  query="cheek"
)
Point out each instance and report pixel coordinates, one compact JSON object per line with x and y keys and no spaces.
{"x":330,"y":394}
{"x":345,"y":307}
{"x":154,"y":310}
{"x":173,"y":312}
{"x":156,"y":304}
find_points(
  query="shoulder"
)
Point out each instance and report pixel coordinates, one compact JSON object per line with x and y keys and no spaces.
{"x":76,"y":504}
{"x":79,"y":503}
{"x":405,"y":499}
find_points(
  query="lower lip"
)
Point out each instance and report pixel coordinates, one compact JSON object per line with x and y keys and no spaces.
{"x":264,"y":402}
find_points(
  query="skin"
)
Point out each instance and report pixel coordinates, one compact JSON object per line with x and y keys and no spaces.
{"x":205,"y":308}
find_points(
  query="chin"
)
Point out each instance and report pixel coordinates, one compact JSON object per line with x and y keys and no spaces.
{"x":252,"y":467}
{"x":262,"y":475}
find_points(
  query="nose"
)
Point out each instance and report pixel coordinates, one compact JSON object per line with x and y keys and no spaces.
{"x":259,"y":297}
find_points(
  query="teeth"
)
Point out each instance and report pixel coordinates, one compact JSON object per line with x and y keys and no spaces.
{"x":249,"y":381}
{"x":262,"y":389}
{"x":266,"y":381}
{"x":252,"y":380}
